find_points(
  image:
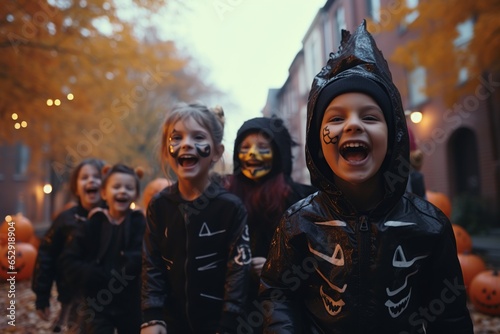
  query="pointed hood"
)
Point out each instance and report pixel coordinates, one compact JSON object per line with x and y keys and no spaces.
{"x":281,"y":141}
{"x":358,"y":66}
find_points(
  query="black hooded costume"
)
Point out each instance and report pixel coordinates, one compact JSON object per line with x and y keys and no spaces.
{"x":262,"y":223}
{"x":263,"y":214}
{"x":333,"y":269}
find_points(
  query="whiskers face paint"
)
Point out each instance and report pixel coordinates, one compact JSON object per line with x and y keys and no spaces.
{"x":173,"y":149}
{"x":203,"y":150}
{"x":328,"y":138}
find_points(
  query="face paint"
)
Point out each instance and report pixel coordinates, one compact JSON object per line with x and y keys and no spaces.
{"x":256,"y":156}
{"x":174,"y":149}
{"x":203,"y":150}
{"x":327,"y":136}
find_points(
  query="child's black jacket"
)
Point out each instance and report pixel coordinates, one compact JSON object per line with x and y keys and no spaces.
{"x":47,"y":267}
{"x":195,"y":261}
{"x":333,"y":269}
{"x":89,"y":245}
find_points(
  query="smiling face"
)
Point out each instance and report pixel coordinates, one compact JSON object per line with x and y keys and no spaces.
{"x":88,"y":183}
{"x":119,"y":191}
{"x":191,"y":151}
{"x":353,"y":137}
{"x":256,"y":156}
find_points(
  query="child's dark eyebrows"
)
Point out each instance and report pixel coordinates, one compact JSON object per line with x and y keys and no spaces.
{"x":370,"y":108}
{"x":333,"y":109}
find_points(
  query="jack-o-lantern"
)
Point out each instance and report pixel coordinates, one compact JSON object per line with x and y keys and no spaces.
{"x":17,"y":260}
{"x":484,"y":292}
{"x":20,"y":226}
{"x":471,"y":265}
{"x":463,"y":239}
{"x":440,"y":200}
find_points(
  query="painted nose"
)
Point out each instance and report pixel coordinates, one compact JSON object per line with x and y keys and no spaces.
{"x":252,"y":152}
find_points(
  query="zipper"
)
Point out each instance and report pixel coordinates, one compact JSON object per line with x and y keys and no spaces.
{"x":364,"y":265}
{"x":186,"y":289}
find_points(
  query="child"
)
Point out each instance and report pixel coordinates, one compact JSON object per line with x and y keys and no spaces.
{"x":196,"y":254}
{"x":262,"y":163}
{"x":85,"y":182}
{"x":361,"y":255}
{"x":104,"y":256}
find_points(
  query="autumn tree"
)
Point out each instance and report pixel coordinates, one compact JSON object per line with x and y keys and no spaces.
{"x":458,"y":42}
{"x":86,"y":78}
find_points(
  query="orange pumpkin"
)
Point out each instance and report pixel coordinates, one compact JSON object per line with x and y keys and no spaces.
{"x":152,"y":188}
{"x":484,"y":292}
{"x":35,"y":241}
{"x":20,"y":226}
{"x":440,"y":200}
{"x":471,"y":265}
{"x":17,"y":260}
{"x":3,"y":238}
{"x":463,"y":239}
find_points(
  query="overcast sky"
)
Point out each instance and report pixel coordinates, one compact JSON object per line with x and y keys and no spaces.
{"x":247,"y":46}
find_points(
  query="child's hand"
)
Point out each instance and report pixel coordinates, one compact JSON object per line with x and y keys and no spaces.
{"x":257,"y":264}
{"x":155,"y":329}
{"x":44,"y":313}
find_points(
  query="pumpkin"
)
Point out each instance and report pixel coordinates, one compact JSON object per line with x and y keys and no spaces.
{"x":484,"y":292}
{"x":440,"y":200}
{"x":35,"y":241}
{"x":22,"y":256}
{"x":3,"y":238}
{"x":463,"y":239}
{"x":152,"y":188}
{"x":471,"y":265}
{"x":21,"y":226}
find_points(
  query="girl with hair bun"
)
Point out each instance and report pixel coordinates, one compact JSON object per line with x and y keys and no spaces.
{"x":196,"y":254}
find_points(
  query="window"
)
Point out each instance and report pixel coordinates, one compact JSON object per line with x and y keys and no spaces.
{"x":303,"y":86}
{"x":22,"y":160}
{"x":374,"y":10}
{"x":465,"y":33}
{"x":339,"y":23}
{"x":312,"y":55}
{"x":417,"y":84}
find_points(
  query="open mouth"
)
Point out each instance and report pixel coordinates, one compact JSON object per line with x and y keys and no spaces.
{"x":354,"y":151}
{"x":253,"y":164}
{"x":187,"y":160}
{"x":92,"y":190}
{"x":122,"y":200}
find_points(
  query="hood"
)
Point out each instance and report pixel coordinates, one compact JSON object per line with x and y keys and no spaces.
{"x":281,"y":142}
{"x":359,"y":56}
